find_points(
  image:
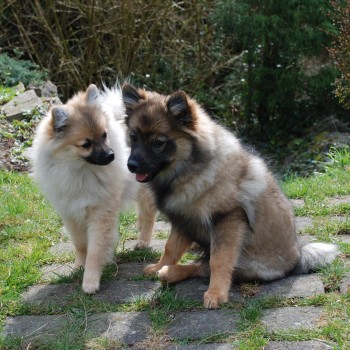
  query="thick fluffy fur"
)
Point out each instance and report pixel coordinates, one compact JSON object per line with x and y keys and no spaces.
{"x":79,"y":158}
{"x":215,"y":193}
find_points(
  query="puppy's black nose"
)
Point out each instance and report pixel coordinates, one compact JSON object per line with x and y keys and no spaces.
{"x":110,"y":156}
{"x":133,"y":165}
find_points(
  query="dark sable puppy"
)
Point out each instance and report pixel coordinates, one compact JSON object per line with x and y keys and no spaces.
{"x":214,"y":193}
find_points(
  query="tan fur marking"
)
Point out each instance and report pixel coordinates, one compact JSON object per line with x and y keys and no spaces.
{"x":176,"y":273}
{"x":224,"y":254}
{"x":175,"y":247}
{"x":146,"y":217}
{"x":79,"y":240}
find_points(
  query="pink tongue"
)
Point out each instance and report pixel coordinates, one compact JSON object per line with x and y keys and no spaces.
{"x":141,"y":177}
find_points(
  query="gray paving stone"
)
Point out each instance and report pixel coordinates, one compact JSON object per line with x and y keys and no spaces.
{"x":284,"y":318}
{"x":130,"y":270}
{"x":45,"y":293}
{"x":344,"y":238}
{"x":303,"y":222}
{"x":156,"y":244}
{"x":212,"y":346}
{"x":345,"y":284}
{"x":198,"y":324}
{"x":126,"y":327}
{"x":339,"y":218}
{"x":293,"y":286}
{"x":62,"y":248}
{"x":339,"y":200}
{"x":122,"y":292}
{"x":298,"y":203}
{"x":195,"y":288}
{"x":300,"y":345}
{"x":126,"y":271}
{"x":162,"y":226}
{"x":304,"y":239}
{"x":34,"y":327}
{"x":53,"y":271}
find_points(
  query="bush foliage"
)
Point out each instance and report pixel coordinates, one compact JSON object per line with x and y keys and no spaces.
{"x":340,"y":50}
{"x":15,"y":70}
{"x":260,"y":67}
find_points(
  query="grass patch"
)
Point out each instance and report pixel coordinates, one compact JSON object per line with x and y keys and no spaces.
{"x":29,"y":227}
{"x":165,"y":304}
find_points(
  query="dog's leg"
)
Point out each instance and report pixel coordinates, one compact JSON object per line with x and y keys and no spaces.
{"x":102,"y":237}
{"x":176,"y":273}
{"x":79,"y":239}
{"x":224,"y":253}
{"x":175,"y":247}
{"x":146,"y":217}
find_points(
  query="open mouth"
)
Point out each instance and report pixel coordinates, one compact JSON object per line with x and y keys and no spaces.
{"x":144,"y":177}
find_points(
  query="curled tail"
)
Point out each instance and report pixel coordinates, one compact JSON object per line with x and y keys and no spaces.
{"x":314,"y":256}
{"x":112,"y":101}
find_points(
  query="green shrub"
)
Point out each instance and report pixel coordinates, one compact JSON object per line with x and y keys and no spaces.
{"x":283,"y":44}
{"x":13,"y":71}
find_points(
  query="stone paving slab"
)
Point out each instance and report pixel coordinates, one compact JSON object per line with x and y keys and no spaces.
{"x":343,"y":238}
{"x":53,"y":271}
{"x":195,"y":288}
{"x":297,"y":203}
{"x":345,"y":284}
{"x":62,"y":248}
{"x":338,"y":200}
{"x":129,"y":271}
{"x":293,"y":286}
{"x":162,"y":226}
{"x":272,"y":345}
{"x":303,"y":222}
{"x":339,"y":218}
{"x":302,"y":345}
{"x":34,"y":326}
{"x":122,"y":292}
{"x":213,"y":346}
{"x":43,"y":294}
{"x":198,"y":324}
{"x":126,"y":327}
{"x":126,"y":271}
{"x":289,"y":287}
{"x":156,"y":244}
{"x":304,"y":239}
{"x":110,"y":291}
{"x":285,"y":318}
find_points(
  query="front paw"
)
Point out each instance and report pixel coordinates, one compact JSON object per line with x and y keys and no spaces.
{"x":151,"y":269}
{"x":163,"y":274}
{"x":212,"y":299}
{"x":90,"y":285}
{"x":141,"y":244}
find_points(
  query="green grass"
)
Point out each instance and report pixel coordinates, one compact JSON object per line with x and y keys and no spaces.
{"x":29,"y":227}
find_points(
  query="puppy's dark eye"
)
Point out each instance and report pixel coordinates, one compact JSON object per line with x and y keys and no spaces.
{"x":133,"y":138}
{"x":157,"y":143}
{"x":87,"y":144}
{"x":104,"y":136}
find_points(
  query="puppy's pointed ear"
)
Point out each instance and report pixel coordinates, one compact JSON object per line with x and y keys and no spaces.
{"x":60,"y":117}
{"x":92,"y":94}
{"x":131,"y":97}
{"x":177,"y":105}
